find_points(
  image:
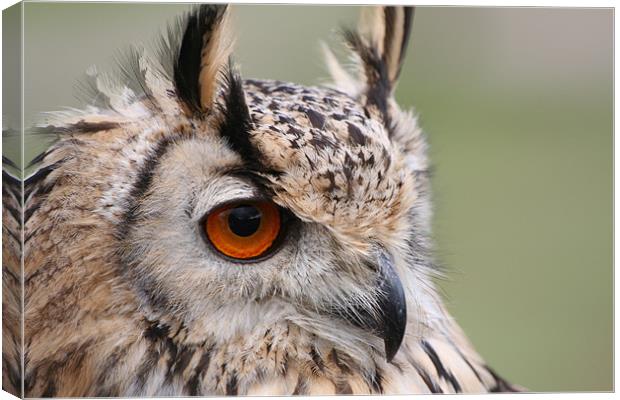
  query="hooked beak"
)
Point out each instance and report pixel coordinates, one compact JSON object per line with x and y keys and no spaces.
{"x":393,"y":307}
{"x":390,"y":319}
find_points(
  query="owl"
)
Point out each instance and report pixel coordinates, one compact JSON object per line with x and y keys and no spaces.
{"x":195,"y":233}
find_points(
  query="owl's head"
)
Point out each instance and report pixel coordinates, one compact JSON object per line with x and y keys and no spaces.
{"x":227,"y":204}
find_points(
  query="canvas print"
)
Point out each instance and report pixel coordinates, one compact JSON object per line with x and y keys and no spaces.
{"x":193,"y":230}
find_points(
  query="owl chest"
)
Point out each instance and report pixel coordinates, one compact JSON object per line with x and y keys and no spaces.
{"x":298,"y":366}
{"x":259,"y":365}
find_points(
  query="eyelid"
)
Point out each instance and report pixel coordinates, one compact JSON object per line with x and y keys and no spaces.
{"x":232,"y":201}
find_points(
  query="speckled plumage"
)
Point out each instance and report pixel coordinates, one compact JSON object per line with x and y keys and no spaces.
{"x":123,"y":297}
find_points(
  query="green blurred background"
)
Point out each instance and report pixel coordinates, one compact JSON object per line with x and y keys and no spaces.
{"x":517,"y":105}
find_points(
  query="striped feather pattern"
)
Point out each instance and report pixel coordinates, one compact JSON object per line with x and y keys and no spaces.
{"x":123,"y":298}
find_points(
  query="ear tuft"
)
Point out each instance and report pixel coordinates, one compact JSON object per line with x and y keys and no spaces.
{"x":385,"y":32}
{"x":204,"y":50}
{"x":397,"y":26}
{"x":379,"y":47}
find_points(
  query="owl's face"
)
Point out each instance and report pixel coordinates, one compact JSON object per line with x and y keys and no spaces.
{"x":194,"y":233}
{"x":313,"y":226}
{"x":242,"y":204}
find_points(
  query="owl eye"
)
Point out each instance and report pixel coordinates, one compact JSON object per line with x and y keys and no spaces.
{"x":245,"y":230}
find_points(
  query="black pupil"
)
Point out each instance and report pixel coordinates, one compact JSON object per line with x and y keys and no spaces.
{"x":244,"y":220}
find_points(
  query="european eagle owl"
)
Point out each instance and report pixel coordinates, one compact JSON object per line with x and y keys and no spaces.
{"x":194,"y":233}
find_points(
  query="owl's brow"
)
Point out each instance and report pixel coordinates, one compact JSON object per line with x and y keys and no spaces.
{"x":144,"y":178}
{"x":256,"y":179}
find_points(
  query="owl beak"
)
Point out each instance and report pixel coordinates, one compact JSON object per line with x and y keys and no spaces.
{"x":389,"y":319}
{"x":392,"y":304}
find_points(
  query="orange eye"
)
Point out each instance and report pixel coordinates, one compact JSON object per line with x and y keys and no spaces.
{"x":244,"y":230}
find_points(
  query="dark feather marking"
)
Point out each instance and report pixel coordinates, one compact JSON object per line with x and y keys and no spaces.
{"x":91,"y":127}
{"x":15,"y":213}
{"x":316,"y":118}
{"x":30,"y":210}
{"x":390,"y":24}
{"x":39,"y":176}
{"x":15,"y":238}
{"x":70,"y":355}
{"x":12,"y":187}
{"x":231,"y":384}
{"x":285,"y":119}
{"x":146,"y":285}
{"x":141,"y":185}
{"x":237,"y":122}
{"x":501,"y":385}
{"x":355,"y":135}
{"x":12,"y":371}
{"x":321,"y":142}
{"x":441,"y":370}
{"x":336,"y":359}
{"x":430,"y":384}
{"x":156,"y":331}
{"x":10,"y":181}
{"x":173,"y":351}
{"x":376,"y":381}
{"x":179,"y":362}
{"x":64,"y":143}
{"x":107,"y":392}
{"x":379,"y":87}
{"x":317,"y":359}
{"x":258,"y":83}
{"x":199,"y":26}
{"x":236,"y":127}
{"x":285,"y":364}
{"x":409,"y":14}
{"x":9,"y":273}
{"x":469,"y":364}
{"x":31,"y":234}
{"x":370,"y":162}
{"x":150,"y":361}
{"x":221,"y":374}
{"x":7,"y":161}
{"x":38,"y":158}
{"x":389,"y":16}
{"x":81,"y":126}
{"x":105,"y":371}
{"x":185,"y":355}
{"x":199,"y":372}
{"x":284,"y":88}
{"x":332,"y":180}
{"x":34,"y":185}
{"x":29,"y":378}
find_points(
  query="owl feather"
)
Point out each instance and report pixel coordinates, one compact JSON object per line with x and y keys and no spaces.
{"x":127,"y":291}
